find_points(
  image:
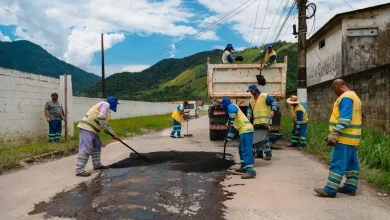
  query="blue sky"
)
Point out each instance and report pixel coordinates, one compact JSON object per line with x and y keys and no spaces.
{"x":138,"y":27}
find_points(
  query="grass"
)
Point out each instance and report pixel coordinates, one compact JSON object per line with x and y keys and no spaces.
{"x":10,"y":157}
{"x":373,"y":151}
{"x":203,"y":112}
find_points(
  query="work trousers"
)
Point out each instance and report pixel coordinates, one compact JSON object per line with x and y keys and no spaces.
{"x":301,"y":137}
{"x":55,"y":130}
{"x":176,"y":128}
{"x":344,"y":161}
{"x":90,"y":145}
{"x":266,"y":147}
{"x":245,"y":152}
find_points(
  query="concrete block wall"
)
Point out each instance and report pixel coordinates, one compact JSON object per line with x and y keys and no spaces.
{"x":22,"y":100}
{"x":373,"y":88}
{"x":126,"y":109}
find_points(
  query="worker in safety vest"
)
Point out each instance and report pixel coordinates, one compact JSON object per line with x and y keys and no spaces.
{"x":345,"y":130}
{"x":261,"y":109}
{"x":269,"y":56}
{"x":300,"y":119}
{"x":178,"y":117}
{"x":90,"y":125}
{"x":238,"y":123}
{"x":227,"y":56}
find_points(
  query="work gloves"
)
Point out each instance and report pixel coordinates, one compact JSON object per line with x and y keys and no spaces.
{"x":332,"y":138}
{"x":239,"y":58}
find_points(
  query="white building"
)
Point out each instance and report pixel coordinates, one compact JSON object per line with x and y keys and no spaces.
{"x":349,"y":43}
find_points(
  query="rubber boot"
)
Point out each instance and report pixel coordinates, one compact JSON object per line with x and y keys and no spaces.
{"x":321,"y":192}
{"x":172,"y":136}
{"x":346,"y":191}
{"x":84,"y":174}
{"x":248,"y":176}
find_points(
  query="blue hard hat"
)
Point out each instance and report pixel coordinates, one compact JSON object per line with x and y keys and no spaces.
{"x":270,"y":45}
{"x":229,"y":46}
{"x":113,"y":103}
{"x":225,"y":104}
{"x":253,"y":87}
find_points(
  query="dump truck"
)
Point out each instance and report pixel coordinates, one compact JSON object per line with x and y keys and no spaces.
{"x":233,"y":80}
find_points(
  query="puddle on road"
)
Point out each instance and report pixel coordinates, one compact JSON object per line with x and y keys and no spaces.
{"x":168,"y":185}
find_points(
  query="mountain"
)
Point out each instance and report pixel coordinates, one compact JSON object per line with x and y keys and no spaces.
{"x":29,"y":57}
{"x":178,"y":79}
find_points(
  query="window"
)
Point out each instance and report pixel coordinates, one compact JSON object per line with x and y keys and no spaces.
{"x":322,"y":43}
{"x":190,"y":106}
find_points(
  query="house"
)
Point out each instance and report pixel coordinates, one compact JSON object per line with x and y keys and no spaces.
{"x":350,"y":42}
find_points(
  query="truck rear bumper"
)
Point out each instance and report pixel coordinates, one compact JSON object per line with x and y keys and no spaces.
{"x":218,"y":127}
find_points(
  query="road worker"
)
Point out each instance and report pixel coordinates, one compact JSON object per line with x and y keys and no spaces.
{"x":269,"y":56}
{"x":300,"y":119}
{"x":238,"y":123}
{"x":261,"y":109}
{"x":178,"y":117}
{"x":54,"y":113}
{"x":90,"y":125}
{"x":345,"y":130}
{"x":227,"y":56}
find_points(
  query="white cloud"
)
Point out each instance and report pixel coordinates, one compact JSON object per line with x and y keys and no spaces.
{"x":4,"y":37}
{"x":244,"y":22}
{"x":81,"y":23}
{"x":111,"y":69}
{"x":172,"y":52}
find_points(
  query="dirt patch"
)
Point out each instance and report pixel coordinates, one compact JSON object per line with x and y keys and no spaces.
{"x":168,"y":185}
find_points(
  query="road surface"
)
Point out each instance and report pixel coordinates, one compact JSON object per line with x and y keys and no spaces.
{"x":182,"y":179}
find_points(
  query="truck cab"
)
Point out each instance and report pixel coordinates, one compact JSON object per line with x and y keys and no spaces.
{"x":233,"y":80}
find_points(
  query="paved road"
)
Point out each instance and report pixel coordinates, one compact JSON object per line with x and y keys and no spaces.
{"x":181,"y":180}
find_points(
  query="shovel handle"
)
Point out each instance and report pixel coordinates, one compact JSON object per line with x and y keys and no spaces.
{"x":128,"y":146}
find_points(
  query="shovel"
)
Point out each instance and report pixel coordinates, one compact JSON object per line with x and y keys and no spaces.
{"x":139,"y":155}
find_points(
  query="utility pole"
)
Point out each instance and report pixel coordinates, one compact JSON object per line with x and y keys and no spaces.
{"x":103,"y":78}
{"x":302,"y":29}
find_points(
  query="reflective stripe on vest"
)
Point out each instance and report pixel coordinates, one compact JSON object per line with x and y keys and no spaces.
{"x":299,"y":107}
{"x":267,"y":56}
{"x":90,"y":121}
{"x":177,"y":115}
{"x":351,"y":134}
{"x":241,"y":122}
{"x":261,"y":110}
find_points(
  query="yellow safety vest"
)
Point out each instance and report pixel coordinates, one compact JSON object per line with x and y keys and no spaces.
{"x":261,"y":110}
{"x":268,"y":55}
{"x":177,"y":115}
{"x":351,"y":134}
{"x":299,"y":107}
{"x":241,"y":122}
{"x":90,"y":121}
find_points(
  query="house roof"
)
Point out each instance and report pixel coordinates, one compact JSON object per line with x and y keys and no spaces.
{"x":338,"y":17}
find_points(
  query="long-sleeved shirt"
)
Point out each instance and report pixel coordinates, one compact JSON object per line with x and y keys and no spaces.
{"x":269,"y":101}
{"x":102,"y":117}
{"x":345,"y":108}
{"x":232,"y":111}
{"x":227,"y":57}
{"x":271,"y":58}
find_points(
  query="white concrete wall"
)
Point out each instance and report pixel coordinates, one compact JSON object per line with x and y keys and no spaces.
{"x":126,"y":109}
{"x":22,"y":100}
{"x":23,"y":97}
{"x":325,"y":63}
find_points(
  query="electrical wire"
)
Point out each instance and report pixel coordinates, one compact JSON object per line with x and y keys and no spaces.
{"x":262,"y":26}
{"x":280,"y":19}
{"x":277,"y":12}
{"x":254,"y":26}
{"x":293,"y":19}
{"x":188,"y":39}
{"x":285,"y":20}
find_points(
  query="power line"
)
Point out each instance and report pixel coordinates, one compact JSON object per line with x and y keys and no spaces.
{"x":261,"y":31}
{"x":254,"y":26}
{"x":285,"y":20}
{"x":273,"y":20}
{"x":280,"y":18}
{"x":293,"y":18}
{"x":379,"y":40}
{"x":32,"y":23}
{"x":183,"y":42}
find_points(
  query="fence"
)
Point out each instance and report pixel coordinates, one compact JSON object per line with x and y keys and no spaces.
{"x":23,"y":97}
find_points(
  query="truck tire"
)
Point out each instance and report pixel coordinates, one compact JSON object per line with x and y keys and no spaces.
{"x":213,"y":135}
